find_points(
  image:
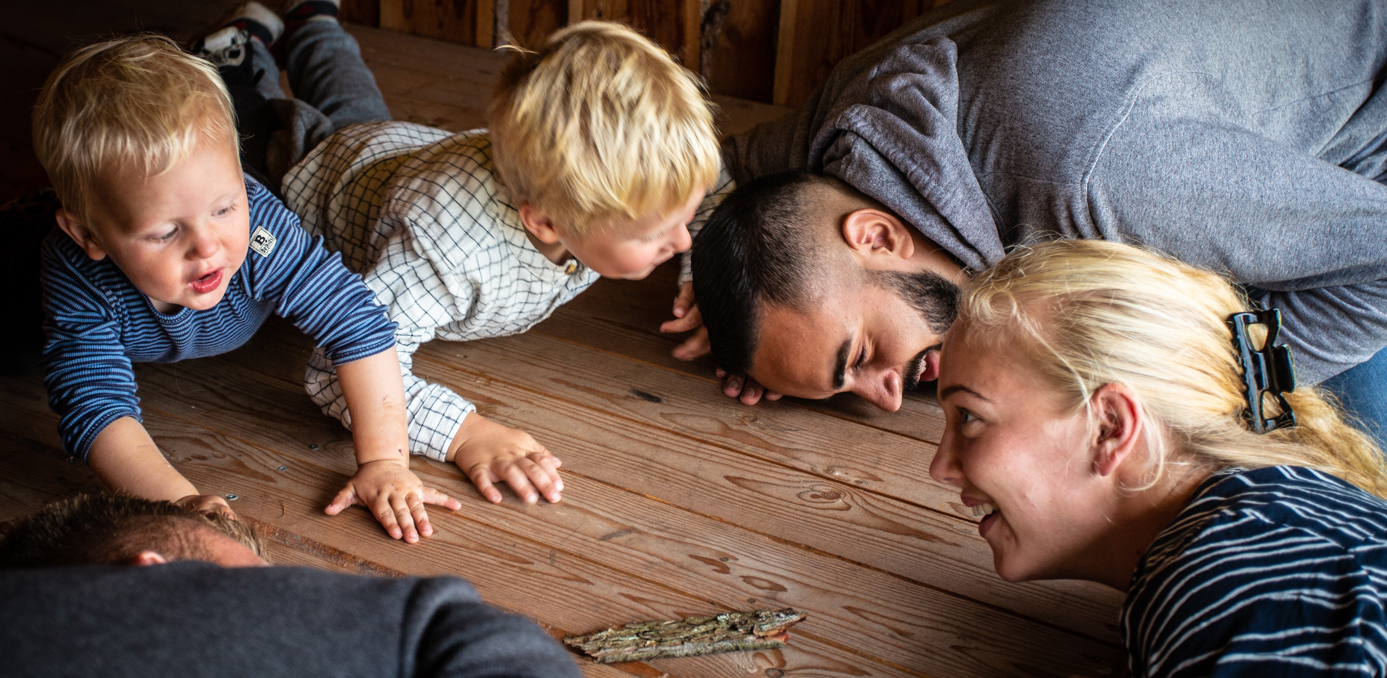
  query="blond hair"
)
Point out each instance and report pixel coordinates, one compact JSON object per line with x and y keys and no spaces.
{"x":136,"y":102}
{"x":601,"y":125}
{"x":1090,"y":313}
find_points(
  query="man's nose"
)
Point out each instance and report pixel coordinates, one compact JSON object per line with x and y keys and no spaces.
{"x":885,"y":391}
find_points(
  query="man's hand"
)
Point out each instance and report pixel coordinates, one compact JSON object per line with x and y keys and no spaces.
{"x":686,"y":318}
{"x":207,"y":504}
{"x":395,"y":496}
{"x":745,"y":388}
{"x":489,"y":453}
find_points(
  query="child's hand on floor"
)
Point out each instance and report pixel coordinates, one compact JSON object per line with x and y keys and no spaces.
{"x":489,"y":453}
{"x":687,"y":317}
{"x":395,"y":496}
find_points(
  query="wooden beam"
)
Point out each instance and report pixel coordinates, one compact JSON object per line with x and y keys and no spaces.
{"x":784,"y":51}
{"x":575,"y":11}
{"x":693,"y":33}
{"x":486,"y":24}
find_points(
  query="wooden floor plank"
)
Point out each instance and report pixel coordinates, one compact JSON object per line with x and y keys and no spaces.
{"x":869,"y":606}
{"x":829,"y":516}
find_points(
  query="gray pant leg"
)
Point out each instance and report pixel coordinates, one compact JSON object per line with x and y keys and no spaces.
{"x":327,"y":73}
{"x":332,"y":88}
{"x":262,"y":61}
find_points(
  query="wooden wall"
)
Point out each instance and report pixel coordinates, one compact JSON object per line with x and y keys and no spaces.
{"x":774,"y":51}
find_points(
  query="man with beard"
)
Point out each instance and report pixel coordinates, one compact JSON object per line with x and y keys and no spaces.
{"x":1242,"y":138}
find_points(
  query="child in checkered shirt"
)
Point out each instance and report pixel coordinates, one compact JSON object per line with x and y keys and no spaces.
{"x":600,"y":152}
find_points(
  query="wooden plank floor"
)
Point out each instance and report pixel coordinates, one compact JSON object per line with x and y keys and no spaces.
{"x":678,"y":501}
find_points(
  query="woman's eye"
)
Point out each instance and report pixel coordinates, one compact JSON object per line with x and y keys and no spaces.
{"x":965,"y":416}
{"x":861,"y":358}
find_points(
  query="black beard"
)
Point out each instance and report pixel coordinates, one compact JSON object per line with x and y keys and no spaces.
{"x":930,"y":294}
{"x":912,"y":370}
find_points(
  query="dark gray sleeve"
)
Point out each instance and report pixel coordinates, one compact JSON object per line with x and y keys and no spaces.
{"x":1331,"y":329}
{"x":450,"y":632}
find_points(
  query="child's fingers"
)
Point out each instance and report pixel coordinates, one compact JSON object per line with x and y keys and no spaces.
{"x":519,"y":481}
{"x":345,"y":497}
{"x":432,"y":496}
{"x":385,"y":514}
{"x":551,"y":466}
{"x":542,"y":478}
{"x":421,"y":517}
{"x":484,"y":480}
{"x":403,"y":515}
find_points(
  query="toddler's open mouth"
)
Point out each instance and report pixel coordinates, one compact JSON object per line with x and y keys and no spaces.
{"x":208,"y":282}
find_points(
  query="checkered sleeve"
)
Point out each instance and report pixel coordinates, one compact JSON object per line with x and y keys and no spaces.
{"x":418,"y":301}
{"x":721,"y":188}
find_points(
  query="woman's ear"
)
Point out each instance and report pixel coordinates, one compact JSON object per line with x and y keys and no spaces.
{"x":874,"y":233}
{"x":1120,"y":424}
{"x":538,"y":223}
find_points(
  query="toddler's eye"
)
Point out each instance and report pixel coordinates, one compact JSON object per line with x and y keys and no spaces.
{"x":167,"y":236}
{"x":224,"y":211}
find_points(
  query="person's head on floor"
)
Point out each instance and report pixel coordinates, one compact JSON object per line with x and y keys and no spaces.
{"x":107,"y":528}
{"x":139,"y":140}
{"x":812,"y":288}
{"x":606,"y":145}
{"x":1088,"y":387}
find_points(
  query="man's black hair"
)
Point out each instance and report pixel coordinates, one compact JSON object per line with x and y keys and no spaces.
{"x":756,"y":247}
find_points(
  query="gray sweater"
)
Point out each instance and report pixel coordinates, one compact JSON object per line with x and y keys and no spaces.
{"x":1248,"y":137}
{"x":197,"y":619}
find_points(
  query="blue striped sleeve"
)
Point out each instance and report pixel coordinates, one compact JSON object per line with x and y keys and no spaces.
{"x":313,"y":288}
{"x":89,"y":378}
{"x":1277,"y":572}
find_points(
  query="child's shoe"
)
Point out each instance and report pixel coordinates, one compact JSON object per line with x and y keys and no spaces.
{"x":227,"y":45}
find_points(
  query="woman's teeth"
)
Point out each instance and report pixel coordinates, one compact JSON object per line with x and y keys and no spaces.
{"x":984,"y":510}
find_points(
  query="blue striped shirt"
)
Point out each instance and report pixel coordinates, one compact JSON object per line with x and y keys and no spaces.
{"x":1275,"y":572}
{"x":98,"y":323}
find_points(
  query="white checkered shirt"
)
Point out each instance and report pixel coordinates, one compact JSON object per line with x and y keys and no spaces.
{"x":419,"y":213}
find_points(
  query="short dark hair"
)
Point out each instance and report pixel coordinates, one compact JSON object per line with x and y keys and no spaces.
{"x":754,"y":248}
{"x":107,"y":528}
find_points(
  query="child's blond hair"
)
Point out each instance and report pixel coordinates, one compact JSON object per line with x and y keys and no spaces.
{"x":135,"y":102}
{"x":601,"y":125}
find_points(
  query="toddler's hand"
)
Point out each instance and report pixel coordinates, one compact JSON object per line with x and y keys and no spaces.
{"x":687,"y":317}
{"x":395,"y":496}
{"x":207,"y":504}
{"x":489,"y":453}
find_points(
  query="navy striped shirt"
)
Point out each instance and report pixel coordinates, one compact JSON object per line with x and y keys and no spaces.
{"x":98,"y":323}
{"x":1275,"y":572}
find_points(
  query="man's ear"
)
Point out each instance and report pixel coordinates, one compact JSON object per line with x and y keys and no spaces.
{"x":80,"y":234}
{"x":147,"y":557}
{"x":539,"y":224}
{"x":873,"y":233}
{"x":1120,"y":429}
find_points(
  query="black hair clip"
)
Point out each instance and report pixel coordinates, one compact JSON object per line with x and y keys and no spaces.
{"x":1265,"y":370}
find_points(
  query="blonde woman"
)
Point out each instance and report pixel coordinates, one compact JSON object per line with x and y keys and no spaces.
{"x":1103,"y":419}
